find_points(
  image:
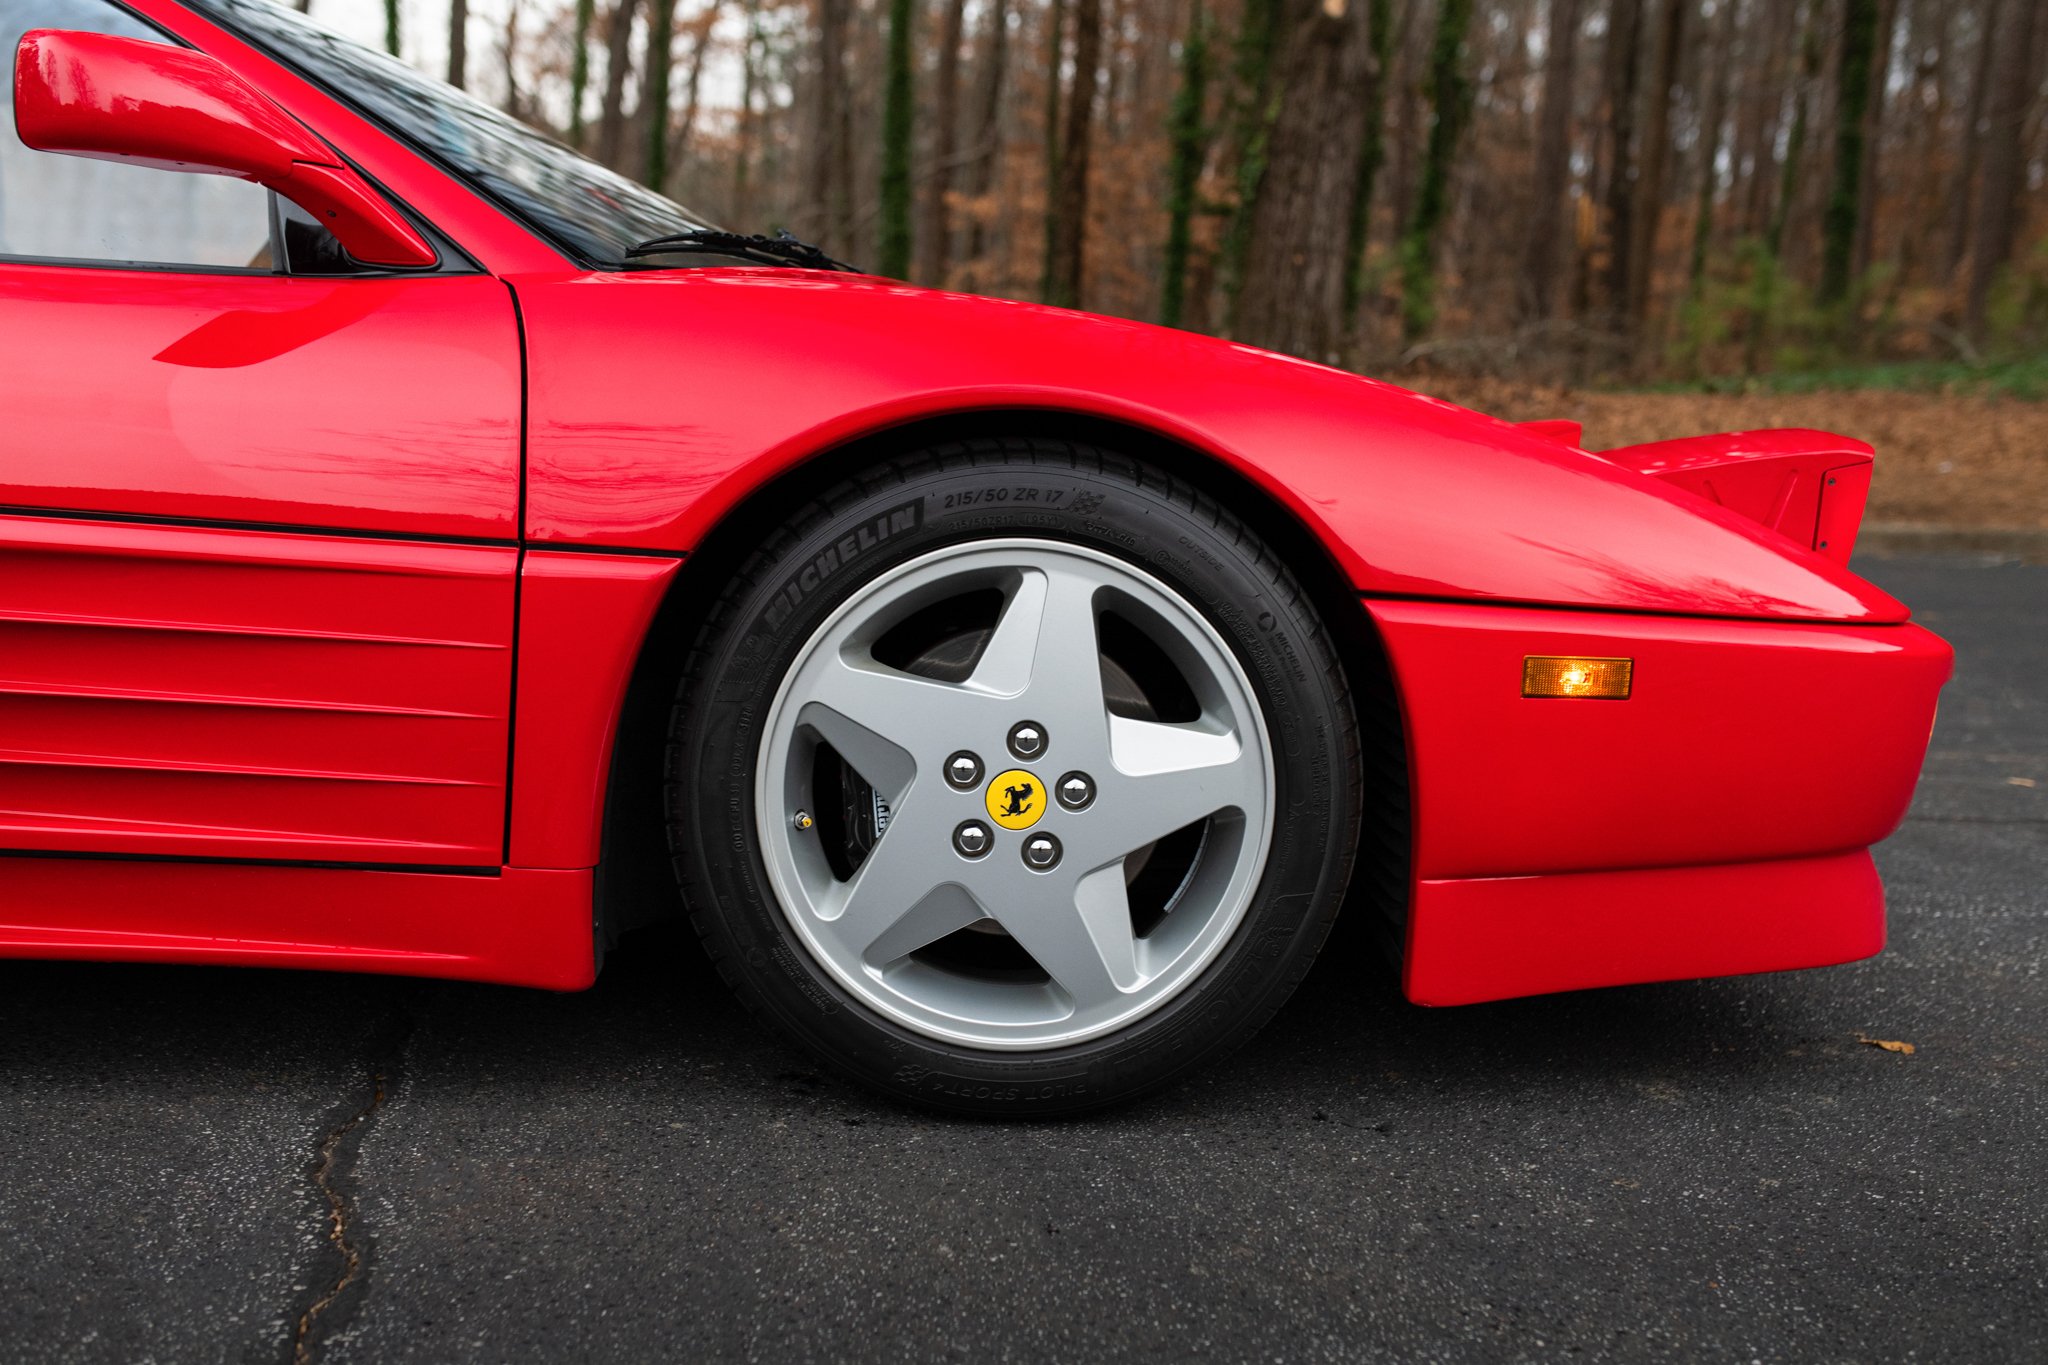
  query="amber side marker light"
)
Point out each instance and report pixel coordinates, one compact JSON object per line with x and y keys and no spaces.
{"x":1598,"y":679}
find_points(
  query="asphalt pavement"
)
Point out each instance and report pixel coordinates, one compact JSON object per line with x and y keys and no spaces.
{"x":1718,"y":1170}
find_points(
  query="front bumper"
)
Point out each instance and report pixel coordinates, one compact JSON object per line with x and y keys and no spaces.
{"x":1715,"y":822}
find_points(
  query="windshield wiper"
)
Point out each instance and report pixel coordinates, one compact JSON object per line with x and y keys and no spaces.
{"x":781,"y":249}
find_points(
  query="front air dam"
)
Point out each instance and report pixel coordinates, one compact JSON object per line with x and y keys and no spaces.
{"x":1716,"y":821}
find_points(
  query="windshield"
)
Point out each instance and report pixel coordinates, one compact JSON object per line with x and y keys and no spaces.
{"x":593,"y":213}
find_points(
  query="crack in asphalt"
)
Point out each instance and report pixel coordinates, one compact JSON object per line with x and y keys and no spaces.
{"x":334,"y":1161}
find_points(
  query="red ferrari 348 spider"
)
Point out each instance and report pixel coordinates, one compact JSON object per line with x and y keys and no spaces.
{"x":424,"y":551}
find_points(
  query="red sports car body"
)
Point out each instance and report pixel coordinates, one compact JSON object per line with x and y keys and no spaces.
{"x":328,"y":600}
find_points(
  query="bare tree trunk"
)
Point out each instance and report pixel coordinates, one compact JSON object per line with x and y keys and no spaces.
{"x":1655,"y":155}
{"x":1292,"y":298}
{"x":391,"y":38}
{"x":936,"y":244}
{"x":898,"y":114}
{"x":863,"y":107}
{"x":1055,"y":40}
{"x":988,"y":133}
{"x":1873,"y":141}
{"x":1788,"y":184}
{"x":661,"y":37}
{"x":1852,"y":103}
{"x":1930,"y":90}
{"x":1765,"y":44}
{"x":1201,"y":293}
{"x":743,"y":133}
{"x":579,"y":68}
{"x":1998,"y":199}
{"x":458,"y":43}
{"x":1372,"y":150}
{"x":1451,"y":104}
{"x":1624,"y":22}
{"x":1710,"y":150}
{"x":1260,"y":29}
{"x":1407,"y":107}
{"x":686,"y":129}
{"x":1550,"y":173}
{"x":1795,"y":144}
{"x":1961,"y":194}
{"x":1188,"y":135}
{"x":618,"y":57}
{"x":826,"y":212}
{"x":1070,"y":220}
{"x":508,"y":56}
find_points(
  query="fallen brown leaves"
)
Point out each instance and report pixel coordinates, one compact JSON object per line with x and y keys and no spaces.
{"x":1889,"y":1045}
{"x":1951,"y":460}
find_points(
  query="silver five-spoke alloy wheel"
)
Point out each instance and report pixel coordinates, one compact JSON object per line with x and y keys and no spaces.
{"x":1072,"y":795}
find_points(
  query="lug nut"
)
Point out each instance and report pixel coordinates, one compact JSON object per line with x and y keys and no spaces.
{"x":971,"y":839}
{"x":1041,"y":853}
{"x":1027,"y":739}
{"x":963,"y":770}
{"x":1076,"y":791}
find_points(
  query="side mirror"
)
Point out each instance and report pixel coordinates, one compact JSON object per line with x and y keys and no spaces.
{"x":124,"y":99}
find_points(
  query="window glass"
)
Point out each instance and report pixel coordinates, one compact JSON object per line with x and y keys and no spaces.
{"x":74,"y":208}
{"x":592,"y":211}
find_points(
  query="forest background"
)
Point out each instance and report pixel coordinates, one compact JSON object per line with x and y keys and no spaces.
{"x":1655,"y":216}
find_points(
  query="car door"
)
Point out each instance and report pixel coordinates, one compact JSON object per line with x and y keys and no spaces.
{"x":258,"y":523}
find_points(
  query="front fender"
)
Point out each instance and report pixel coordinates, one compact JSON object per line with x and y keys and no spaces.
{"x":657,"y":401}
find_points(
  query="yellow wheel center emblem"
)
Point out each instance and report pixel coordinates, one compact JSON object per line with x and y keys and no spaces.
{"x":1015,"y":799}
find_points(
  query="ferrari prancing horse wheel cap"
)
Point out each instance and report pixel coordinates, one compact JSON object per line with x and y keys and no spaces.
{"x":1015,"y":799}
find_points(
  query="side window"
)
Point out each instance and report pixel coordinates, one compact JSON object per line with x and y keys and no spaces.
{"x":70,"y":208}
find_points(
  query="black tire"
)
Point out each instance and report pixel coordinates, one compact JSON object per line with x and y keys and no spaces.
{"x":777,"y":600}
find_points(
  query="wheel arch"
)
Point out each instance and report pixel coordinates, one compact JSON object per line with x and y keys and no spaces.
{"x":635,"y":884}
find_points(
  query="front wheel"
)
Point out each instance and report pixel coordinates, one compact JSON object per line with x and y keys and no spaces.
{"x":1015,"y":779}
